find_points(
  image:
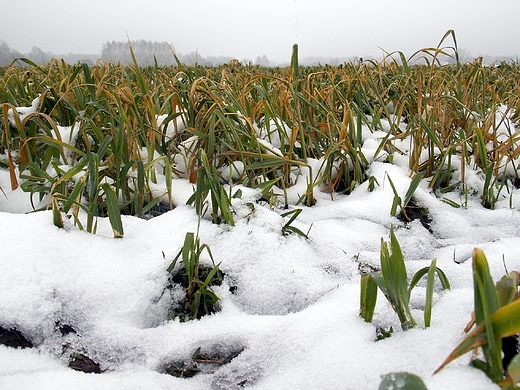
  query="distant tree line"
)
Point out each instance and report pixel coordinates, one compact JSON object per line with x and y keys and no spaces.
{"x":148,"y":53}
{"x":38,"y":56}
{"x":7,"y":55}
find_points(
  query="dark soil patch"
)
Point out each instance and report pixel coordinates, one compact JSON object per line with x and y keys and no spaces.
{"x":83,"y":363}
{"x":516,"y":182}
{"x":65,"y":329}
{"x":510,"y":349}
{"x":201,"y":362}
{"x":14,"y":338}
{"x":413,"y":211}
{"x":181,"y":369}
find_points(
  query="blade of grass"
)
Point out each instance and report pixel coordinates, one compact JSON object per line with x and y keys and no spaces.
{"x":114,"y":214}
{"x":368,"y":297}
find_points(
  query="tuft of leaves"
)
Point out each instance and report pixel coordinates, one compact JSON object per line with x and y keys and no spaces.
{"x":196,"y":279}
{"x":392,"y":280}
{"x":496,"y":317}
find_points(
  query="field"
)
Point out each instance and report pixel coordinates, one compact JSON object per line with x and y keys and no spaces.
{"x":234,"y":224}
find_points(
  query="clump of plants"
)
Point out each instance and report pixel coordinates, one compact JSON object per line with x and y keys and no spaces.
{"x":392,"y":280}
{"x":410,"y":209}
{"x":105,"y":140}
{"x":196,"y":279}
{"x":495,"y":324}
{"x":208,"y":183}
{"x":492,"y":331}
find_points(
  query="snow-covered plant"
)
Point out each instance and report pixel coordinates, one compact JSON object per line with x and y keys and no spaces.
{"x":261,"y":125}
{"x":392,"y":280}
{"x":288,"y":227}
{"x":397,"y":201}
{"x":196,"y":278}
{"x":496,"y":317}
{"x":69,"y":189}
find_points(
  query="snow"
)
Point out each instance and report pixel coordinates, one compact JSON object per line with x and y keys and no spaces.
{"x":23,"y":112}
{"x":293,"y":312}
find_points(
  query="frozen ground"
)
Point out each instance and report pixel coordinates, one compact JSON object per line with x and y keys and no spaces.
{"x":292,"y":314}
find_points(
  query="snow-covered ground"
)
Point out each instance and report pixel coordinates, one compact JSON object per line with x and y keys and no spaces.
{"x":292,"y":311}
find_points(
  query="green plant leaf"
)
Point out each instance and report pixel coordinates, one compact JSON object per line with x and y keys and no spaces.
{"x":506,"y":289}
{"x":429,"y":293}
{"x":397,"y":199}
{"x":57,"y":216}
{"x":443,"y":278}
{"x":93,"y":189}
{"x":430,"y":271}
{"x":402,"y":381}
{"x":172,"y":265}
{"x":114,"y":215}
{"x":513,"y":369}
{"x":493,"y":322}
{"x":195,"y":304}
{"x":74,"y":198}
{"x":417,"y":277}
{"x":505,"y":322}
{"x":486,"y":303}
{"x":188,"y":258}
{"x":287,"y":227}
{"x":395,"y":280}
{"x":412,"y":188}
{"x":368,"y":297}
{"x":73,"y":171}
{"x":210,"y":277}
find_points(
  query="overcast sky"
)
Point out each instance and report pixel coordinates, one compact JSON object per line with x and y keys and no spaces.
{"x":247,"y":29}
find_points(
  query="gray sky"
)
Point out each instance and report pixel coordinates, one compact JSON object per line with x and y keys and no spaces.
{"x":247,"y":29}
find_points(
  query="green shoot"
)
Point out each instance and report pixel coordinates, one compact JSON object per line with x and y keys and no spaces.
{"x":392,"y":280}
